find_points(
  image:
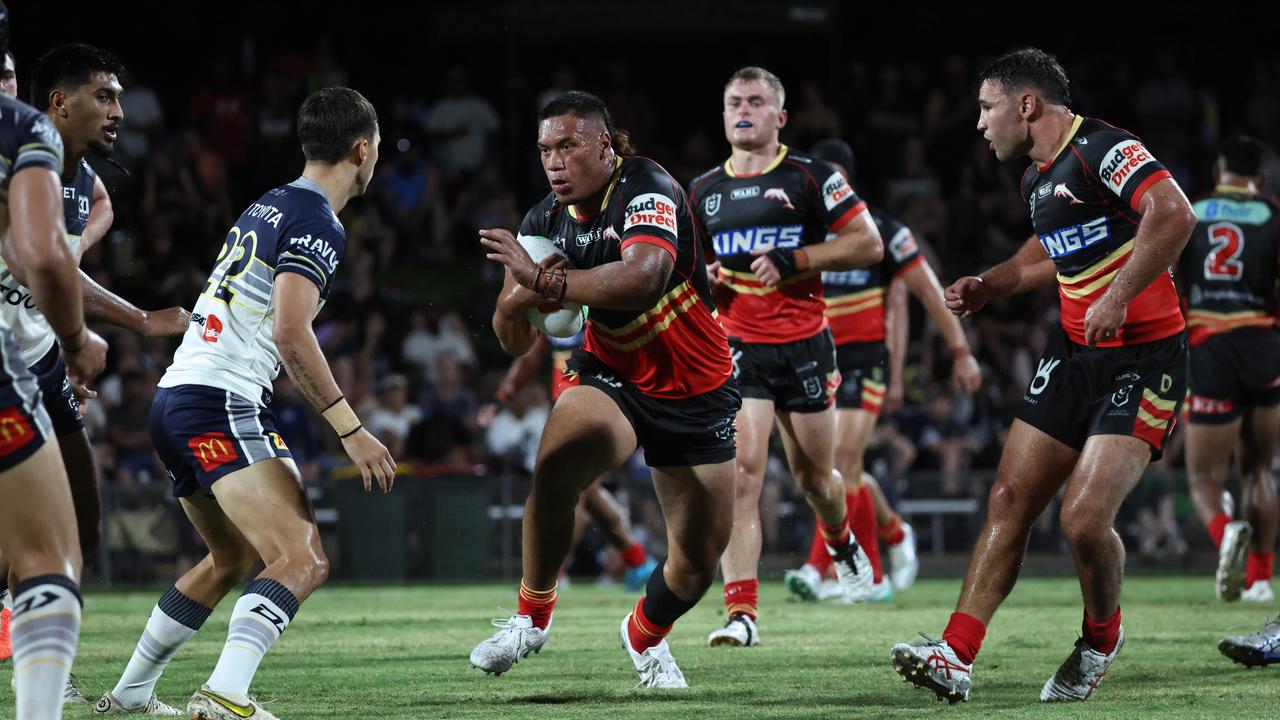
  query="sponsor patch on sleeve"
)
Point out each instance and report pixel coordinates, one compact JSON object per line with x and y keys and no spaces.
{"x":903,"y":246}
{"x":835,"y":191}
{"x":1122,"y":162}
{"x":650,"y":209}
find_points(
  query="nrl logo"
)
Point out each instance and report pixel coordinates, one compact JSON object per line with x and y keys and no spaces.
{"x":712,"y":204}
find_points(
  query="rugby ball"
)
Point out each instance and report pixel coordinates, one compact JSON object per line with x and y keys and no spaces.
{"x":560,"y":320}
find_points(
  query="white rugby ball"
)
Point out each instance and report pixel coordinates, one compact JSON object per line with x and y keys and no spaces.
{"x":554,"y":318}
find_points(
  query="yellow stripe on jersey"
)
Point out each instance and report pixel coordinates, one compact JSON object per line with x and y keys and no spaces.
{"x":853,"y":297}
{"x":839,"y":310}
{"x":1205,"y":317}
{"x":777,"y":160}
{"x":658,"y":327}
{"x":604,"y":203}
{"x":1154,"y":399}
{"x":1096,"y":267}
{"x":1075,"y":127}
{"x":644,"y":317}
{"x":727,"y":275}
{"x":1152,"y":420}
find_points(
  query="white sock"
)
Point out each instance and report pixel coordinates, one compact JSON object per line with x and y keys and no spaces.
{"x":174,"y":620}
{"x":44,"y":631}
{"x":261,"y":614}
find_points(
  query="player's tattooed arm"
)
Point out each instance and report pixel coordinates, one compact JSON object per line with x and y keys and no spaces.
{"x":295,"y":299}
{"x":637,"y":282}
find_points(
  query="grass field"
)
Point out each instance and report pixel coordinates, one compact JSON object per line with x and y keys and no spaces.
{"x":401,"y":652}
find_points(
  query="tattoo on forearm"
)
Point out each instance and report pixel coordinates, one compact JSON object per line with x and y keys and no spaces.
{"x":307,"y":383}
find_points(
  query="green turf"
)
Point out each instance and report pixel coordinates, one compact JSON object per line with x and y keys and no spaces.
{"x":401,"y":652}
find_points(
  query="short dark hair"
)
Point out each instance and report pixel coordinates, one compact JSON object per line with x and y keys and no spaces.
{"x":584,"y":105}
{"x":1242,"y":155}
{"x":835,"y":150}
{"x":1033,"y":68}
{"x":753,"y":72}
{"x":67,"y":67}
{"x":331,"y":120}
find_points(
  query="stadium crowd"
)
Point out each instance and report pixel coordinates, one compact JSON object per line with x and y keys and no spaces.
{"x":407,"y":329}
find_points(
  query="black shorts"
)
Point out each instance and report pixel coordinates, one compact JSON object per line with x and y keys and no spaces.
{"x":864,"y":376}
{"x":673,"y":432}
{"x":1234,"y":371}
{"x":24,"y":423}
{"x":1135,"y":390}
{"x":799,"y":376}
{"x":203,"y":434}
{"x":55,"y":390}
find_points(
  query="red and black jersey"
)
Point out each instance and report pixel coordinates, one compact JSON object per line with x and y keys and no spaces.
{"x":1229,"y":267}
{"x":1084,"y":208}
{"x":675,"y":349}
{"x":855,"y":298}
{"x":791,"y":204}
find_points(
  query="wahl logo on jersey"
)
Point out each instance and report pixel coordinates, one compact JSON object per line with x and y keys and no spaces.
{"x":746,"y":192}
{"x":1062,"y":191}
{"x":835,"y":190}
{"x":1121,"y":162}
{"x":781,"y":196}
{"x":317,"y":249}
{"x":650,"y":209}
{"x":212,"y":329}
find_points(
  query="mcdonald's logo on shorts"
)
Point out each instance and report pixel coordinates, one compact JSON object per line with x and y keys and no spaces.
{"x":212,"y":450}
{"x":15,"y":430}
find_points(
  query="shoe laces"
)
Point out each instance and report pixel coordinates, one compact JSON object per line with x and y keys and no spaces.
{"x":658,"y":666}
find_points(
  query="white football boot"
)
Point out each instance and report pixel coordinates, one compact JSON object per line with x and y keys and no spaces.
{"x":904,"y":564}
{"x":515,"y":639}
{"x":1081,"y":674}
{"x":656,"y":667}
{"x":933,"y":665}
{"x":738,"y":631}
{"x":1232,"y":554}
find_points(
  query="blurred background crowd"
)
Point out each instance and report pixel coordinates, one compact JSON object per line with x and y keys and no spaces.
{"x":407,"y":330}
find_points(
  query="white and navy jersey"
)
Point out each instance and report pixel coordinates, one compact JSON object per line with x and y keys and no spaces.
{"x":229,"y":345}
{"x":27,"y":140}
{"x":31,"y":330}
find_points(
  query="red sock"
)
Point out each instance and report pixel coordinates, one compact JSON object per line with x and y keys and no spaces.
{"x":642,"y":632}
{"x":862,"y":518}
{"x":537,"y":604}
{"x":836,"y":535}
{"x":1217,"y":526}
{"x":891,"y":532}
{"x":964,"y":634}
{"x":819,"y":558}
{"x":1102,"y":635}
{"x":1258,"y":567}
{"x":743,"y":597}
{"x":634,"y":555}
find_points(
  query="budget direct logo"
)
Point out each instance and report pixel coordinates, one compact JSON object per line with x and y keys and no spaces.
{"x":650,"y":209}
{"x":1121,"y":162}
{"x":835,"y":190}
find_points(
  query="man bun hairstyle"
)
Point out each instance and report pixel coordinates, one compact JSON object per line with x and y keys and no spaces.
{"x":331,"y":120}
{"x":584,"y":105}
{"x":1030,"y":68}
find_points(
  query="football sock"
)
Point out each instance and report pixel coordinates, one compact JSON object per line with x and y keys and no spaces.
{"x":964,"y":634}
{"x":1217,"y":526}
{"x":1102,"y":635}
{"x":743,"y":597}
{"x":819,"y":558}
{"x":655,"y":613}
{"x":174,"y":620}
{"x":862,"y":520}
{"x":633,"y":555}
{"x":892,"y":532}
{"x":537,"y":604}
{"x":44,"y":631}
{"x":261,"y":614}
{"x":1258,"y":567}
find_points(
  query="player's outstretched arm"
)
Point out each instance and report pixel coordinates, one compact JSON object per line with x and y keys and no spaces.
{"x":856,"y":245}
{"x":38,"y":246}
{"x":102,"y":304}
{"x":295,"y":299}
{"x":1029,"y":268}
{"x":896,"y":329}
{"x":1167,"y":222}
{"x":923,"y":283}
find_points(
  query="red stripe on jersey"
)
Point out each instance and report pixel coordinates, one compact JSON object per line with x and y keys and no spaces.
{"x":851,"y":214}
{"x":783,"y":314}
{"x":910,"y":264}
{"x":1153,"y":315}
{"x":1154,"y":411}
{"x":1150,"y":435}
{"x":1146,"y":185}
{"x":858,"y":318}
{"x":688,"y":356}
{"x":650,"y":240}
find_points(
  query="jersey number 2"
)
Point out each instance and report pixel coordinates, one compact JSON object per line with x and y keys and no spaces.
{"x":237,"y":253}
{"x":1223,"y":261}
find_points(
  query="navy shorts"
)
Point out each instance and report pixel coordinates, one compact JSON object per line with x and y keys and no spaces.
{"x":55,"y":390}
{"x":203,"y":433}
{"x":24,"y":424}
